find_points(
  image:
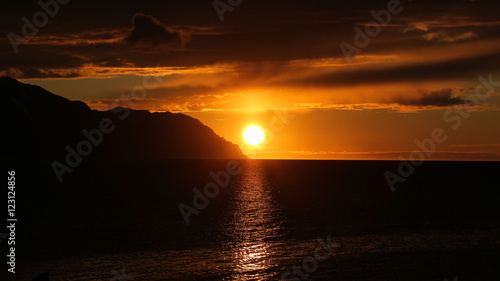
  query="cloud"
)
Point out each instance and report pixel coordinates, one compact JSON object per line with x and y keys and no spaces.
{"x":185,"y":99}
{"x":444,"y":97}
{"x":147,"y":29}
{"x":39,"y":73}
{"x":464,"y":68}
{"x":303,"y":31}
{"x":443,"y":37}
{"x":417,"y":26}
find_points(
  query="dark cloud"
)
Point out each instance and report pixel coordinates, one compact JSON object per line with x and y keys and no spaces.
{"x":41,"y":58}
{"x":149,"y":30}
{"x":462,"y":68}
{"x":256,"y":31}
{"x":443,"y":98}
{"x":31,"y":73}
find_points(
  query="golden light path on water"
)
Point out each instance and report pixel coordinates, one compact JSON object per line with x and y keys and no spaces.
{"x":255,"y":228}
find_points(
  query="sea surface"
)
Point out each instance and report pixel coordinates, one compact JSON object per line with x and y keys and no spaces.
{"x":121,"y":221}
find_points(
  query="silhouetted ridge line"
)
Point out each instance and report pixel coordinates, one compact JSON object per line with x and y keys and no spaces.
{"x":39,"y":124}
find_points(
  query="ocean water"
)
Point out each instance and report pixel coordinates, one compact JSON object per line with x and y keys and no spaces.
{"x":121,"y":221}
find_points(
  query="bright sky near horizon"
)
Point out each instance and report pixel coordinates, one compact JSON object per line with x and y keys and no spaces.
{"x":323,"y":79}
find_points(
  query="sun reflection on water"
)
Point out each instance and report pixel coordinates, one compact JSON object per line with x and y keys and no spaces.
{"x":254,"y":229}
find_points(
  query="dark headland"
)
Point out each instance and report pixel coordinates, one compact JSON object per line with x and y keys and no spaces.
{"x":41,"y":125}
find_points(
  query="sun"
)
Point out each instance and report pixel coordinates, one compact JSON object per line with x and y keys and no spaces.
{"x":253,"y":135}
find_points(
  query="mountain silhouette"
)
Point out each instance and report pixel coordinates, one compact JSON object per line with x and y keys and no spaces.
{"x":41,"y":125}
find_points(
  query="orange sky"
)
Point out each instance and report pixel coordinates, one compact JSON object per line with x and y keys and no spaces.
{"x":280,"y":66}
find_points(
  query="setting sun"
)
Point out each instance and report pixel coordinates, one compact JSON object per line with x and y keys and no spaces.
{"x":254,"y":135}
{"x":250,"y":140}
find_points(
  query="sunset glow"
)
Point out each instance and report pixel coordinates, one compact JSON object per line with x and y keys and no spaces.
{"x":251,"y":140}
{"x":254,"y":135}
{"x":372,"y":103}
